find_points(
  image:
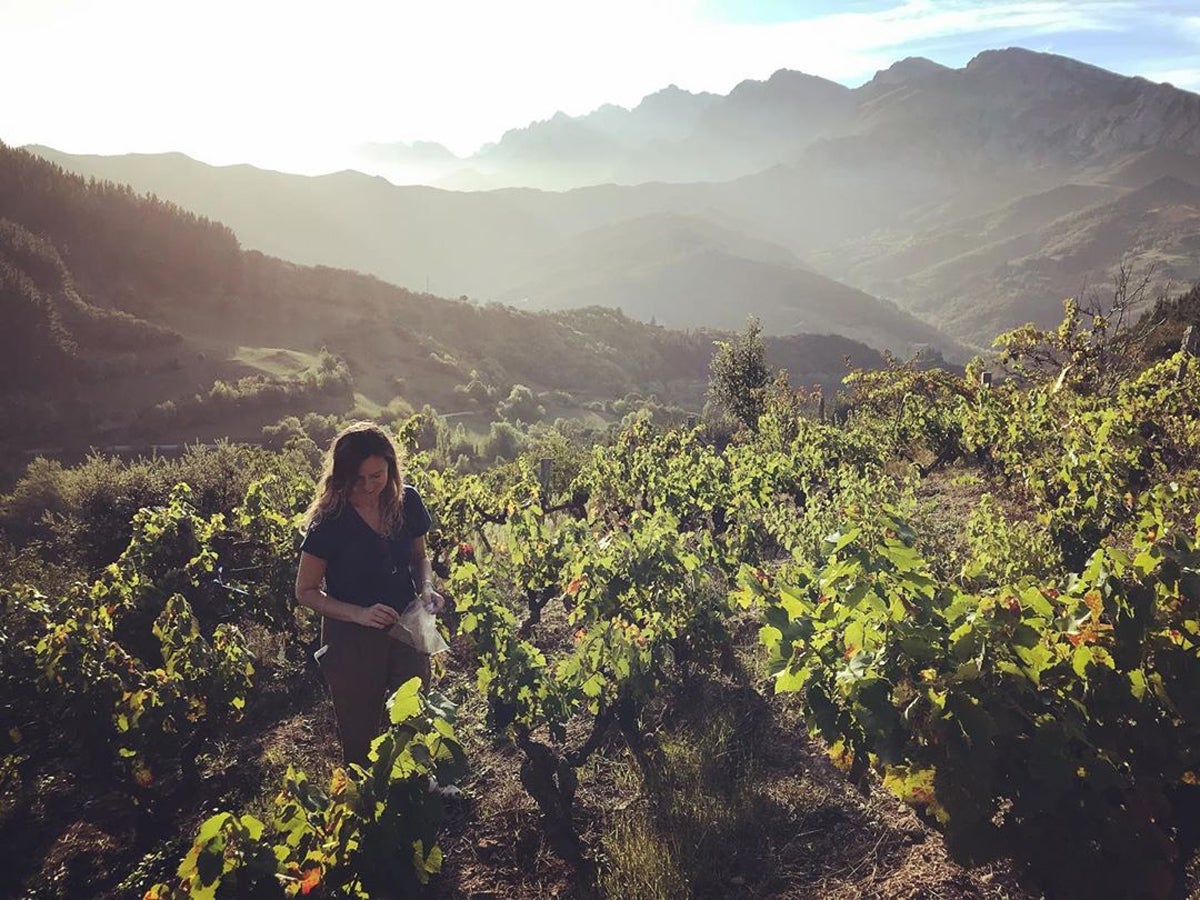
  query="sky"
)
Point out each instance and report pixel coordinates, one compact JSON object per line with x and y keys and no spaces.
{"x":298,"y":86}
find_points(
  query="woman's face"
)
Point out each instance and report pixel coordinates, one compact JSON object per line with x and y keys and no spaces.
{"x":372,"y":477}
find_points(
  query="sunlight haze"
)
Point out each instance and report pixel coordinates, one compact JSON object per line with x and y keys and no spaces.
{"x":302,"y":86}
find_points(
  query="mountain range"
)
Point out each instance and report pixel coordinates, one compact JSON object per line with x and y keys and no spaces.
{"x":131,"y":319}
{"x":929,"y":206}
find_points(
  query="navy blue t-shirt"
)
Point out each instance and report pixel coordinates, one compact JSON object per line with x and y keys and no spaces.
{"x":361,"y":565}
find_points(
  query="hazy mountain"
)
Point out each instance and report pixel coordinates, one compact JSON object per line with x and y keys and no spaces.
{"x":417,"y":236}
{"x":503,"y":244}
{"x":1018,"y":109}
{"x":414,"y":153}
{"x":959,"y":242}
{"x":611,"y":144}
{"x":130,"y":318}
{"x":420,"y":162}
{"x":1076,"y":255}
{"x":1007,"y":106}
{"x":920,"y":186}
{"x":666,"y":115}
{"x":678,"y":270}
{"x":907,"y":71}
{"x":672,"y":135}
{"x":1139,"y":169}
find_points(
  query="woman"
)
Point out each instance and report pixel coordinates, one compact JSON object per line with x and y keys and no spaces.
{"x":364,"y":549}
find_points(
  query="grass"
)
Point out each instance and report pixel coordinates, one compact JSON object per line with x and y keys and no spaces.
{"x":697,"y":828}
{"x":735,"y":801}
{"x":275,"y":361}
{"x":364,"y":407}
{"x":645,"y":861}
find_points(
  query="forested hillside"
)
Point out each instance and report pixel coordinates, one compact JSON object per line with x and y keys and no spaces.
{"x":133,"y":320}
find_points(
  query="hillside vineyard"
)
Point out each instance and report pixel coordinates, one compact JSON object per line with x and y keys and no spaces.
{"x":1026,"y":682}
{"x":763,"y":578}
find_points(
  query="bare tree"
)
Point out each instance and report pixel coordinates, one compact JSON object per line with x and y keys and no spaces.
{"x":1094,"y":348}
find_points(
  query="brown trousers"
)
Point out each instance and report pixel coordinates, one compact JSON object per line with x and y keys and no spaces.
{"x":363,"y":666}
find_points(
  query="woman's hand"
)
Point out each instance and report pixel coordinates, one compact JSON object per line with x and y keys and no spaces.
{"x":433,"y":601}
{"x":378,"y":616}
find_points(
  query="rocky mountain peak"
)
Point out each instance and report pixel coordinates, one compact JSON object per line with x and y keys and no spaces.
{"x":1046,"y":73}
{"x":675,"y":101}
{"x":910,"y":68}
{"x":785,"y":85}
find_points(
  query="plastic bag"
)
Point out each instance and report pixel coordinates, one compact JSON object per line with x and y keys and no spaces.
{"x":418,"y":628}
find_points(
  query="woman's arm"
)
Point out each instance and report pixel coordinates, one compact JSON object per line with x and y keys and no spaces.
{"x":422,"y":572}
{"x":310,"y":593}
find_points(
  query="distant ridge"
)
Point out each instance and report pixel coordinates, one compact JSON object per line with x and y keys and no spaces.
{"x":931,"y":187}
{"x":502,"y":245}
{"x":129,"y":319}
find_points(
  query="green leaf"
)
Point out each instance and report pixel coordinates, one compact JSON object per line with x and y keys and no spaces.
{"x":905,"y":559}
{"x":860,"y":664}
{"x":794,"y":603}
{"x":791,"y":680}
{"x":968,"y":671}
{"x":426,"y":865}
{"x":1034,"y":599}
{"x":1080,"y":659}
{"x":253,"y":826}
{"x":594,"y":686}
{"x":406,"y":703}
{"x":856,"y":594}
{"x":842,"y":540}
{"x":442,"y":706}
{"x":212,"y":827}
{"x":1137,"y":684}
{"x":852,"y":639}
{"x":210,"y":866}
{"x":1037,"y":659}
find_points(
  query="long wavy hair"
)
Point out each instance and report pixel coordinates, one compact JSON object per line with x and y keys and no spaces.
{"x":350,"y":449}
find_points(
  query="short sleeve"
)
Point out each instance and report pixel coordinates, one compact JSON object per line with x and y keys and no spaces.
{"x":416,"y":517}
{"x":321,"y":540}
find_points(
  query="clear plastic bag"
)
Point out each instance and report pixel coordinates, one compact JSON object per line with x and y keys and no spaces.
{"x":418,"y":628}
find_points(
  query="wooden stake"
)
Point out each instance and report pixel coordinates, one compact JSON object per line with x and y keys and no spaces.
{"x":1189,"y":347}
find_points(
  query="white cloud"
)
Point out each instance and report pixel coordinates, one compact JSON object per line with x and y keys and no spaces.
{"x":1187,"y":79}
